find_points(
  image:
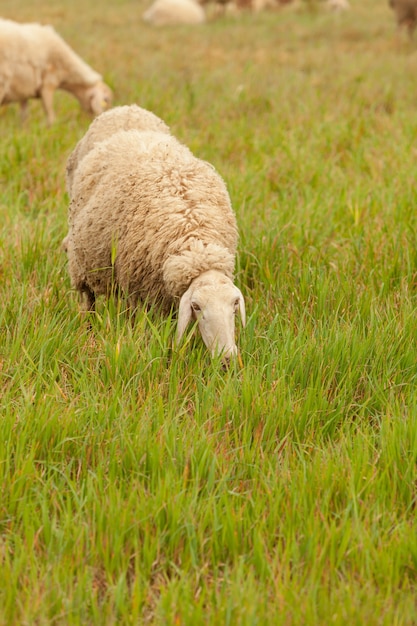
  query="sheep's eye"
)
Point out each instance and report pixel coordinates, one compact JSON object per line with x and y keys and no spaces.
{"x":236,"y":305}
{"x":196,"y":307}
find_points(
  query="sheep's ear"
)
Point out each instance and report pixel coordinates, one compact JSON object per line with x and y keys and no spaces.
{"x":184,"y":314}
{"x":242,"y":310}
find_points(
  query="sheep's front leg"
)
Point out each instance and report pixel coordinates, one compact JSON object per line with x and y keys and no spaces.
{"x":23,"y":111}
{"x":47,"y":96}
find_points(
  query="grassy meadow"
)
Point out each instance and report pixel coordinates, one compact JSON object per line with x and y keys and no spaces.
{"x":143,"y":484}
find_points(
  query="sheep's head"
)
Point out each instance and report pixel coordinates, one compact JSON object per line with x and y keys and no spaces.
{"x":213,"y":301}
{"x":98,"y":98}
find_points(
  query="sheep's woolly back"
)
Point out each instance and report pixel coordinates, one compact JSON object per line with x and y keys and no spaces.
{"x":27,"y":50}
{"x":166,"y":12}
{"x":164,"y":215}
{"x":108,"y":123}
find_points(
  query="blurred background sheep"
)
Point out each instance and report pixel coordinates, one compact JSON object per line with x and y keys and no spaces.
{"x":338,"y":5}
{"x":35,"y":61}
{"x":166,"y":12}
{"x":232,"y":6}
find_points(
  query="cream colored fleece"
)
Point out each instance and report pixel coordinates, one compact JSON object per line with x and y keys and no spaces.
{"x":164,"y":216}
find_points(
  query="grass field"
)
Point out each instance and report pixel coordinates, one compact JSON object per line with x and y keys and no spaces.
{"x":144,"y":485}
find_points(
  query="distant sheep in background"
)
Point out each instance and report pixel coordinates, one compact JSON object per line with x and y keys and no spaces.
{"x":333,"y":5}
{"x":168,"y":12}
{"x":338,"y":5}
{"x":261,"y":5}
{"x":406,"y":14}
{"x":149,"y":219}
{"x":236,"y":6}
{"x":35,"y":61}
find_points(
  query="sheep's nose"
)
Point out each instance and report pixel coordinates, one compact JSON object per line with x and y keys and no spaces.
{"x":226,"y":361}
{"x":228,"y":356}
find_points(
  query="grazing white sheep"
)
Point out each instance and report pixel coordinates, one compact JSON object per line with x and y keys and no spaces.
{"x":166,"y":12}
{"x":149,"y":219}
{"x":236,"y":6}
{"x":35,"y":61}
{"x":338,"y":5}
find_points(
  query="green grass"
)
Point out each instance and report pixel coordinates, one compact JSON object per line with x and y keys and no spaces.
{"x":140,"y":482}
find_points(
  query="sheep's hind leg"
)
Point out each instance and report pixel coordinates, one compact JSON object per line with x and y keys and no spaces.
{"x":88,"y":304}
{"x":23,"y":111}
{"x":88,"y":299}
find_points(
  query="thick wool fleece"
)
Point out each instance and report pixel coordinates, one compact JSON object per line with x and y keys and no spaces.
{"x":120,"y":118}
{"x":162,"y":215}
